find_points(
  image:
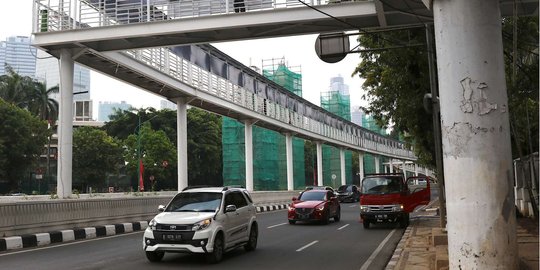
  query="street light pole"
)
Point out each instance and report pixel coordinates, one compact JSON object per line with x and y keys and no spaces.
{"x":139,"y":153}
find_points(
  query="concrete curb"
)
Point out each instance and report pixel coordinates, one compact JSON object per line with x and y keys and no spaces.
{"x":43,"y":239}
{"x":399,"y":249}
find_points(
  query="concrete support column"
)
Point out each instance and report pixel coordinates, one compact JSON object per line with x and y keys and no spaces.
{"x":290,"y":166}
{"x":342,"y":165}
{"x":377,"y":164}
{"x":248,"y":132}
{"x":65,"y":125}
{"x":475,"y":135}
{"x":361,"y":166}
{"x":415,"y":169}
{"x":391,"y":165}
{"x":181,"y":136}
{"x":319,"y":164}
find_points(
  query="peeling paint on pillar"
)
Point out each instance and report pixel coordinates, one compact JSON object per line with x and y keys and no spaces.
{"x":476,"y":97}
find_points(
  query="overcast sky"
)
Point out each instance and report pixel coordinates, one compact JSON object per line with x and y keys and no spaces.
{"x":297,"y":51}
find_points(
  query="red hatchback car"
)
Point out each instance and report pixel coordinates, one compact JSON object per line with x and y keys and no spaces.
{"x":314,"y":205}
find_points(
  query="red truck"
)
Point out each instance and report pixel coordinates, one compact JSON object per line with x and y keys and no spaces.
{"x":389,"y":197}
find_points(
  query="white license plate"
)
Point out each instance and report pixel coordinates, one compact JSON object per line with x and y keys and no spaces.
{"x":172,"y":237}
{"x":381,"y":216}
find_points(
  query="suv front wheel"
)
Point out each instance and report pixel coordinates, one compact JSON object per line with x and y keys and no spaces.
{"x":253,"y":236}
{"x":154,"y":256}
{"x":217,"y":254}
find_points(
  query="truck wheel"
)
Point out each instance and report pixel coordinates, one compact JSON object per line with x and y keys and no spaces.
{"x":366,"y":224}
{"x":404,"y":221}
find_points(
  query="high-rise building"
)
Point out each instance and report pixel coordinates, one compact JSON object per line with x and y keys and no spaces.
{"x":48,"y":71}
{"x":106,"y":109}
{"x":18,"y":53}
{"x":165,"y":104}
{"x":356,"y":115}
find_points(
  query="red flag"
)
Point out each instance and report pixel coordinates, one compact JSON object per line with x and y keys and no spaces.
{"x":141,"y":171}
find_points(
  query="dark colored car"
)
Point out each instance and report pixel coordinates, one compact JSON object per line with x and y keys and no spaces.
{"x":348,"y":193}
{"x":314,"y":205}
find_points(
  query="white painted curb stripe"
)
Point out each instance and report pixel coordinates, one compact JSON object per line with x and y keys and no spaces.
{"x":13,"y":242}
{"x":43,"y":239}
{"x":110,"y":230}
{"x":90,"y":232}
{"x":67,"y":235}
{"x":128,"y":227}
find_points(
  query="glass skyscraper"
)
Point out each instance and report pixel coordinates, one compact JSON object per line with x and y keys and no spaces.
{"x":18,"y":53}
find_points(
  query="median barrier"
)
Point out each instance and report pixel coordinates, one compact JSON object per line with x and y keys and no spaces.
{"x":28,"y":215}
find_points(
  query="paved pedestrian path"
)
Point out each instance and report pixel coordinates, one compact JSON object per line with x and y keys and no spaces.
{"x":424,"y":245}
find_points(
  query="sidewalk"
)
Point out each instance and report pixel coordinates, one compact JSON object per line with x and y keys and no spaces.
{"x":425,"y":246}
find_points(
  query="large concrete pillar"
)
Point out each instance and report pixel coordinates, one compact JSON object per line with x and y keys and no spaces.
{"x":361,"y":166}
{"x":248,"y":132}
{"x":475,"y":135}
{"x":415,"y":169}
{"x":391,"y":165}
{"x":290,"y":166}
{"x":65,"y":126}
{"x":319,"y":164}
{"x":181,"y":127}
{"x":342,"y":166}
{"x":377,"y":165}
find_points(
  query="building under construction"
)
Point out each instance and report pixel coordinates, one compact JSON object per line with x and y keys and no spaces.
{"x":337,"y":101}
{"x":269,"y":153}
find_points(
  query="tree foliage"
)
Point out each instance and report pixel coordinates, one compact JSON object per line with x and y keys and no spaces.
{"x":22,"y":139}
{"x":523,"y":89}
{"x":203,"y":133}
{"x":95,"y":154}
{"x":395,"y":83}
{"x":155,"y":147}
{"x":397,"y":79}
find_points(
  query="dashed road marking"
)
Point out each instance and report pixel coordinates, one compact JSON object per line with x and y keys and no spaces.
{"x":342,"y":227}
{"x":308,"y":245}
{"x":277,"y":225}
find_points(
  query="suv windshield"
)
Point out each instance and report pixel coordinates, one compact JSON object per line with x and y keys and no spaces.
{"x":312,"y":196}
{"x":195,"y":202}
{"x":381,"y":185}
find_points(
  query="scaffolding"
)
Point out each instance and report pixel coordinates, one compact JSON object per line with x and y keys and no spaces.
{"x":337,"y":101}
{"x":269,"y":153}
{"x":369,"y":123}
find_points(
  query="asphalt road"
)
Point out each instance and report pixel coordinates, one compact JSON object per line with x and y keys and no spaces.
{"x":338,"y":245}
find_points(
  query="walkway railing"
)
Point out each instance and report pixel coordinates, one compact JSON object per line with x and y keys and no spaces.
{"x":205,"y":68}
{"x":100,"y":13}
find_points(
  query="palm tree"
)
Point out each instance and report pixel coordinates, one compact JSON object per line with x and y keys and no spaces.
{"x":16,"y":89}
{"x":41,"y":104}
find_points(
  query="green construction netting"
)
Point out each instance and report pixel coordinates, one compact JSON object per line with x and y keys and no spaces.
{"x":269,"y":158}
{"x":332,"y":167}
{"x":336,"y":103}
{"x":283,"y":76}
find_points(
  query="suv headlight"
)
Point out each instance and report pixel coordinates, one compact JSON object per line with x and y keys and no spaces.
{"x":201,"y":225}
{"x":152,"y":225}
{"x":397,"y":208}
{"x":320,"y":208}
{"x":291,"y":208}
{"x":364,"y":208}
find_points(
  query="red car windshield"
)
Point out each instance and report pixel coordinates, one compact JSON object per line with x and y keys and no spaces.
{"x":312,"y":196}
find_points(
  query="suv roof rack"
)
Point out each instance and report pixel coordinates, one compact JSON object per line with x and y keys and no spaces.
{"x":196,"y":186}
{"x":232,"y":186}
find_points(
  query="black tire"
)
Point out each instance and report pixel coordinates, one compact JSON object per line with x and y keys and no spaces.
{"x":252,"y":240}
{"x":326,"y":217}
{"x":337,"y":217}
{"x":217,"y":253}
{"x":404,"y":221}
{"x":292,"y":222}
{"x":366,"y":224}
{"x":154,"y":256}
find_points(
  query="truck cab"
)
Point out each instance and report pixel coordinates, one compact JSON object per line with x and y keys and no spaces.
{"x":389,"y":197}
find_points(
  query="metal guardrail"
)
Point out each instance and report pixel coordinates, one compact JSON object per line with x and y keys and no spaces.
{"x":56,"y":15}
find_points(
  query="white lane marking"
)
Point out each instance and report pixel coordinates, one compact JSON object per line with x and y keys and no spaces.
{"x":342,"y":227}
{"x":273,"y":226}
{"x":71,"y":243}
{"x":308,"y":245}
{"x":351,"y":206}
{"x":376,"y":252}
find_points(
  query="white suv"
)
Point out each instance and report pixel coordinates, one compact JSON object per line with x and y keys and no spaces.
{"x":208,"y":220}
